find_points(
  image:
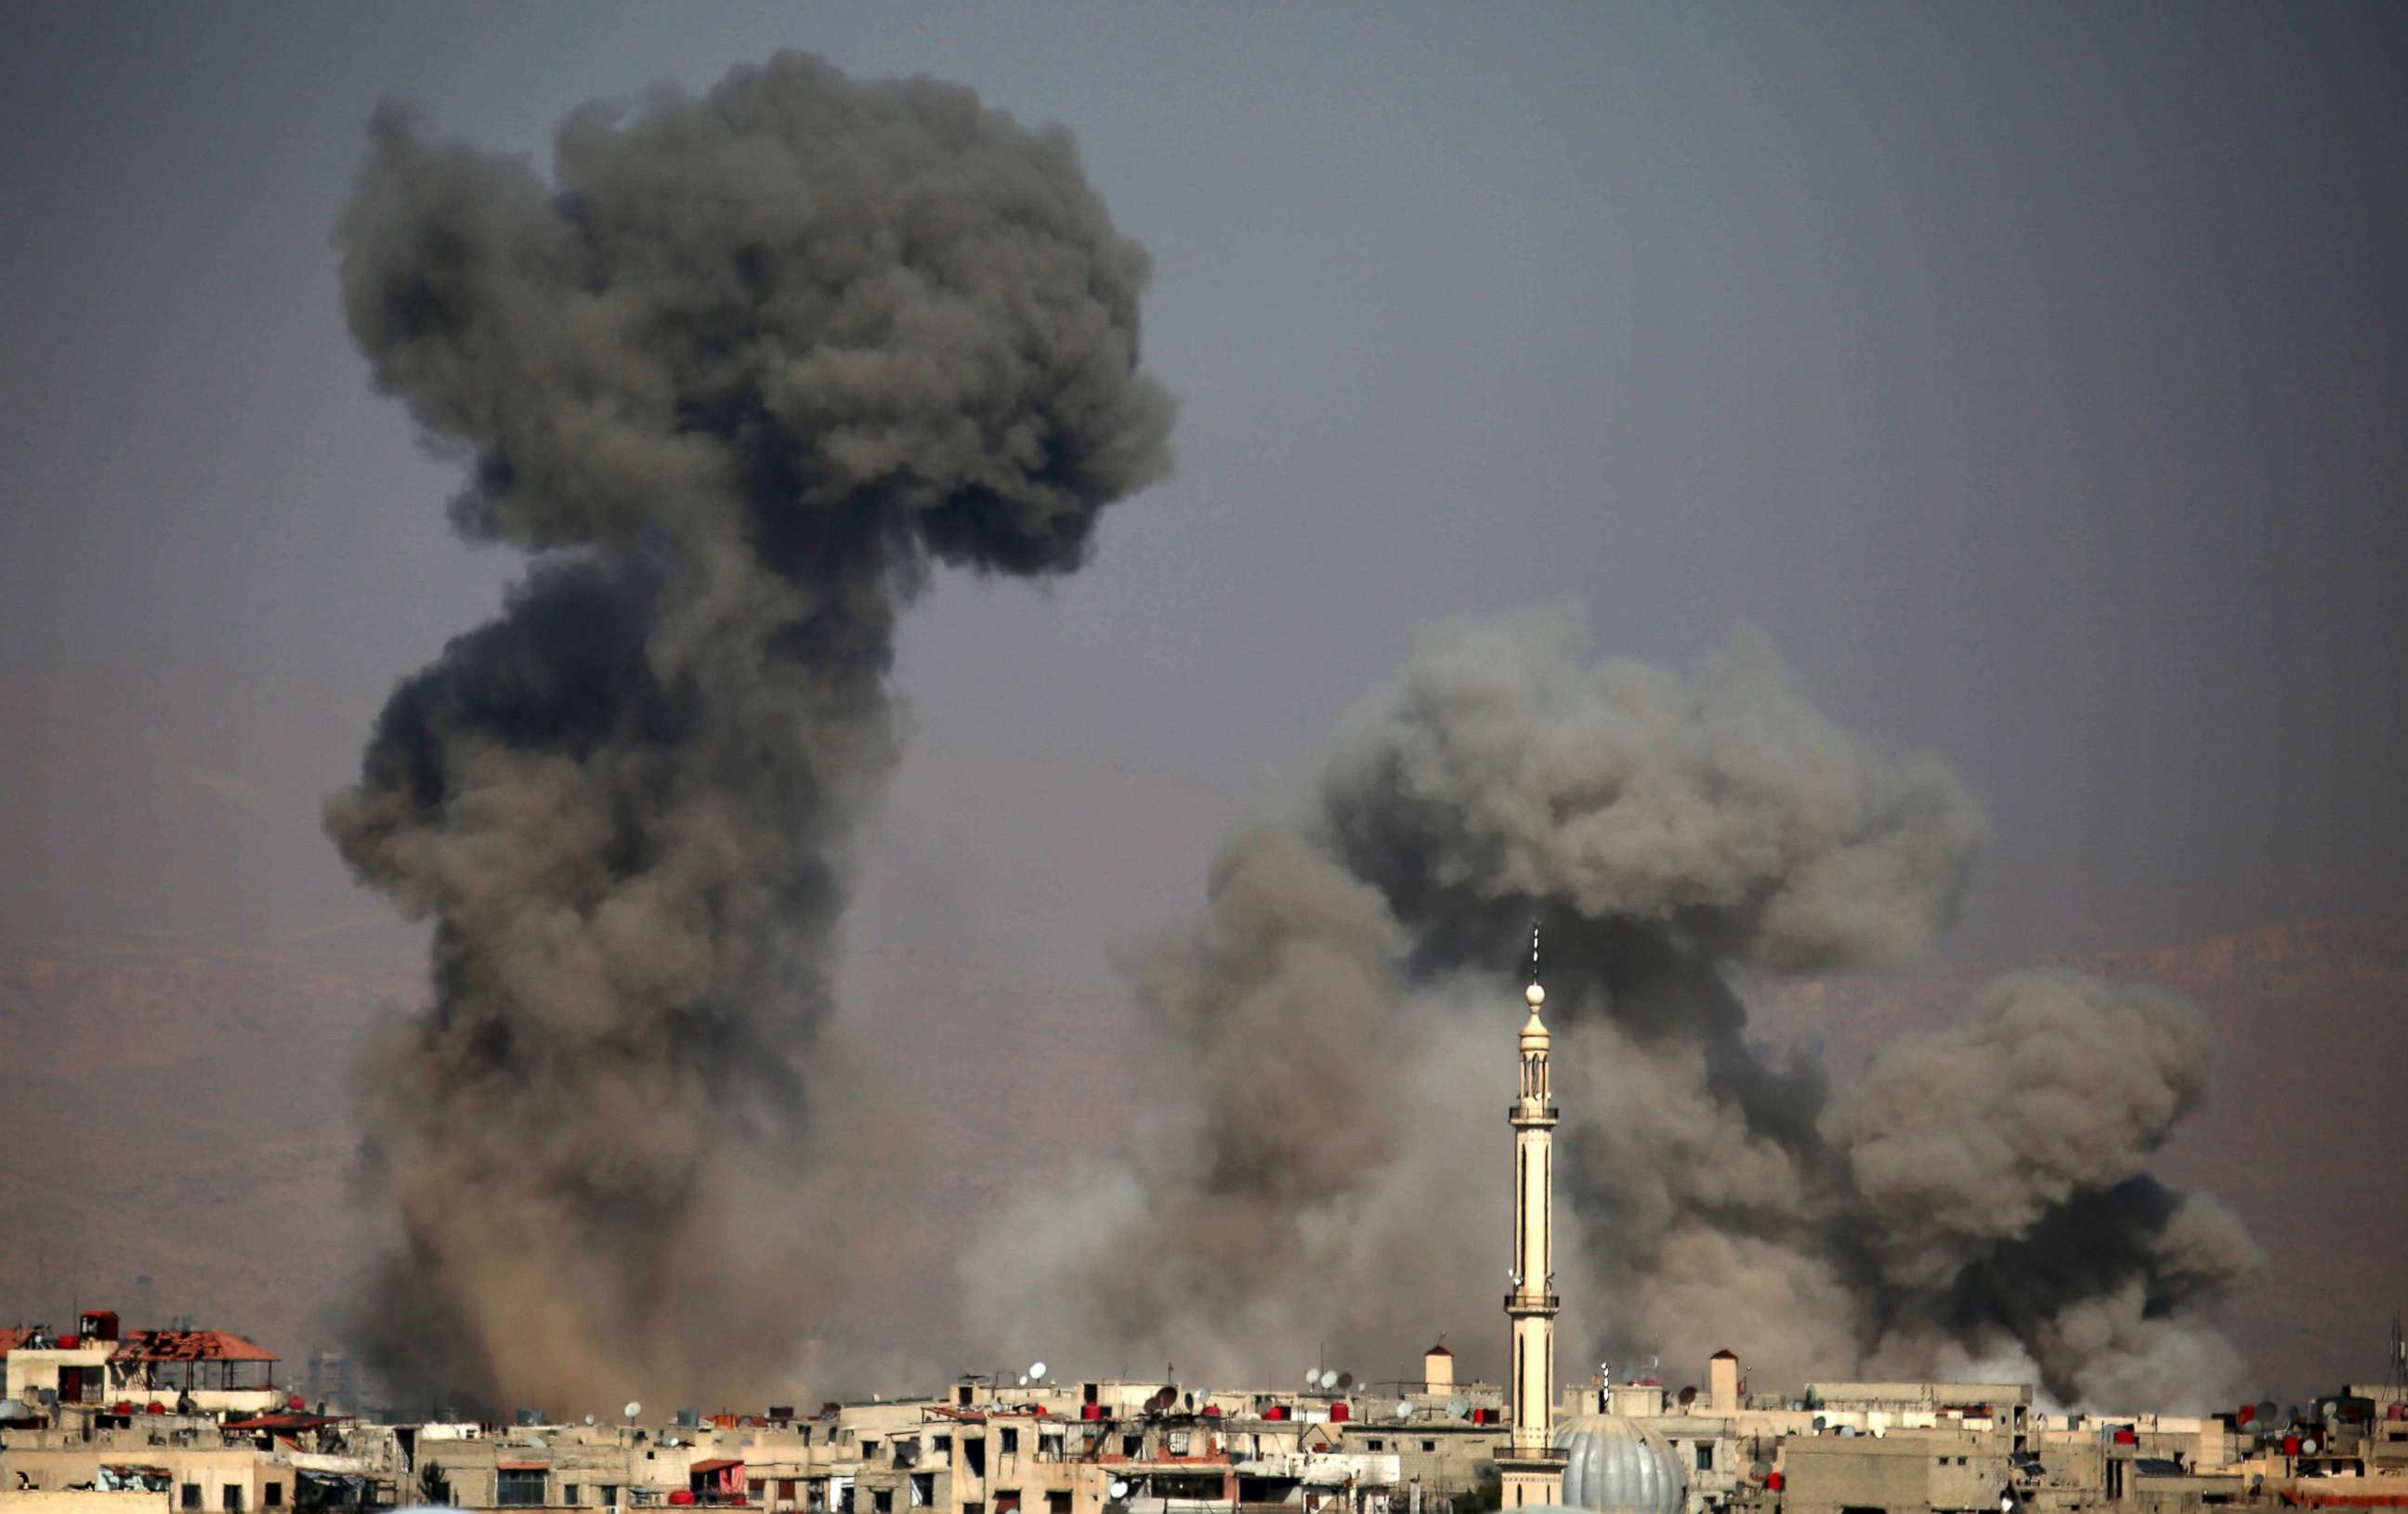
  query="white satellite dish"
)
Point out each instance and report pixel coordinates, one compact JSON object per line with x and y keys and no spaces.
{"x":1457,"y":1407}
{"x":589,"y":1418}
{"x":1404,"y":1408}
{"x":632,"y":1409}
{"x":1024,"y":1379}
{"x":1037,"y":1372}
{"x":1120,"y":1490}
{"x":2307,"y":1448}
{"x":1329,"y":1378}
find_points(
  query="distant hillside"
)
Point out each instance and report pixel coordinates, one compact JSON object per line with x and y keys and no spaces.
{"x":180,"y":1111}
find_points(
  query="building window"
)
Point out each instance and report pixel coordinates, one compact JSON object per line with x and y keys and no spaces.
{"x":610,"y":1495}
{"x":923,"y":1488}
{"x":1705,"y":1455}
{"x":1132,"y":1444}
{"x":273,"y":1495}
{"x":191,"y":1495}
{"x":518,"y":1488}
{"x":1011,"y":1440}
{"x":1374,"y":1444}
{"x":883,"y":1500}
{"x":1007,"y":1501}
{"x":568,"y":1493}
{"x":1430,"y":1445}
{"x":944,"y":1444}
{"x":233,"y":1497}
{"x":1058,"y":1501}
{"x":786,"y":1490}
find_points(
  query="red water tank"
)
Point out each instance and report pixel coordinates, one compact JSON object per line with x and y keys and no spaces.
{"x":1773,"y":1484}
{"x":1338,"y":1412}
{"x":154,"y":1406}
{"x":294,"y":1402}
{"x":1091,"y":1411}
{"x":2126,"y":1437}
{"x":1213,"y":1410}
{"x":122,"y":1407}
{"x":2394,"y":1411}
{"x":1277,"y":1411}
{"x":2290,"y":1444}
{"x":2248,"y":1413}
{"x":681,"y":1497}
{"x":70,"y":1343}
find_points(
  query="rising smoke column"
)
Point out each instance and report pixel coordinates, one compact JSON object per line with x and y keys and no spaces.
{"x":742,"y":372}
{"x":1980,"y":1199}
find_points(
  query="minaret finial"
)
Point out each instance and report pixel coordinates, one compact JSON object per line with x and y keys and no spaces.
{"x":1534,"y":952}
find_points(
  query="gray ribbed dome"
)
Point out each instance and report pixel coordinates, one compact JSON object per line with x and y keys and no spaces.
{"x":1615,"y":1467}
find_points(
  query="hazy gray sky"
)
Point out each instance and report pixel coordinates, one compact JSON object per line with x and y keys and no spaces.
{"x":2032,"y":374}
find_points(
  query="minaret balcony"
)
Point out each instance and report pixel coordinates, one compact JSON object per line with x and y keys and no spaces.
{"x":1530,"y":1301}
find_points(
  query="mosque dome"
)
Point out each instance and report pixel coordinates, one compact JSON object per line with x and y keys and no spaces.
{"x":1615,"y":1466}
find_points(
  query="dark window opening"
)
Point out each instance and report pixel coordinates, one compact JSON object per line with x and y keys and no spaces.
{"x":1705,"y":1455}
{"x":518,"y":1488}
{"x":233,"y":1498}
{"x":1011,"y":1440}
{"x":1132,"y":1444}
{"x":882,"y":1500}
{"x":191,"y":1495}
{"x":272,"y":1495}
{"x":1058,"y":1501}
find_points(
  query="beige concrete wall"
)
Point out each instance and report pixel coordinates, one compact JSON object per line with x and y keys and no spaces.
{"x":1856,"y":1472}
{"x":85,"y":1503}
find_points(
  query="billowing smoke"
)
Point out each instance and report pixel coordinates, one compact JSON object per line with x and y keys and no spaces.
{"x":1333,"y":1034}
{"x":742,"y":371}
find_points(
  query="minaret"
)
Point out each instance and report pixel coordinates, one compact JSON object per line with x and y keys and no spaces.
{"x":1531,"y":1468}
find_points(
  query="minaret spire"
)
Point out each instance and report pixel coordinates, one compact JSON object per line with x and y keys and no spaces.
{"x":1531,"y":1468}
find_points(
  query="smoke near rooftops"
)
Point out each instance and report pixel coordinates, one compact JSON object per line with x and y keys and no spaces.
{"x":1327,"y":1030}
{"x":742,"y":372}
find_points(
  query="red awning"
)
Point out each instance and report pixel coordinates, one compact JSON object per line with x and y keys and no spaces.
{"x":719,"y":1464}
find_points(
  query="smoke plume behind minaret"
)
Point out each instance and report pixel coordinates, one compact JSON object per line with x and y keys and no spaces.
{"x":742,"y":372}
{"x":1330,"y":1044}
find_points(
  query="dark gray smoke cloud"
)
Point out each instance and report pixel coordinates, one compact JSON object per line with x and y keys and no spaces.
{"x":744,"y":369}
{"x":1977,"y":1201}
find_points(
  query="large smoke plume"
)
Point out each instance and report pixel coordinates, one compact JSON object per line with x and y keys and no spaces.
{"x":741,"y":371}
{"x":1332,"y":1034}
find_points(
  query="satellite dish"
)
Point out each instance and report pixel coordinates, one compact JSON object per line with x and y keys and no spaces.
{"x":632,"y":1409}
{"x":1312,"y":1376}
{"x":1404,"y":1408}
{"x":1037,"y":1372}
{"x":1329,"y":1378}
{"x":1346,"y":1380}
{"x":2330,"y":1409}
{"x":1024,"y":1379}
{"x":1120,"y":1490}
{"x":589,"y":1418}
{"x":1458,"y":1406}
{"x":1821,"y":1424}
{"x":2308,"y":1447}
